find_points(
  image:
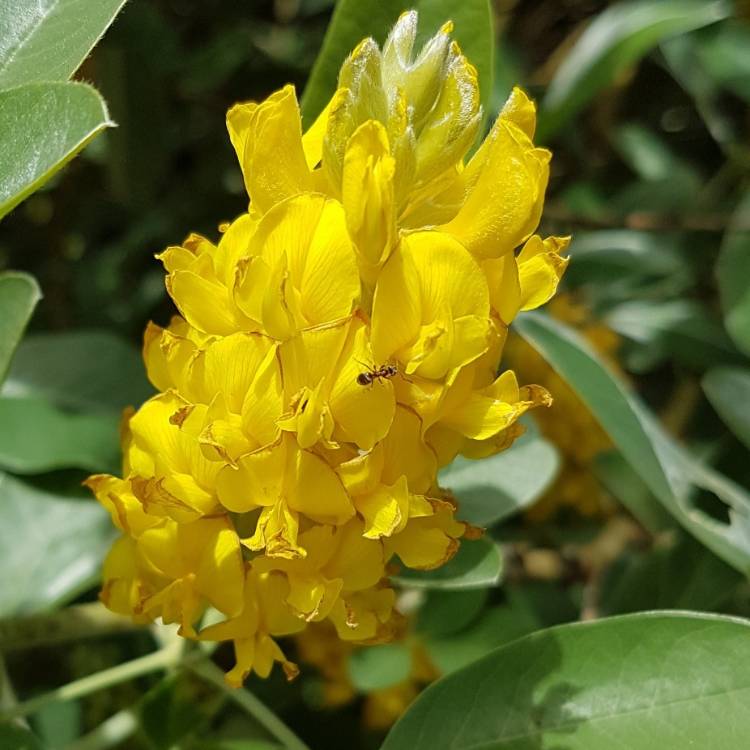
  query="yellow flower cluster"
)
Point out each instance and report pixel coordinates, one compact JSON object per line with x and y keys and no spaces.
{"x":336,"y":347}
{"x":572,"y":428}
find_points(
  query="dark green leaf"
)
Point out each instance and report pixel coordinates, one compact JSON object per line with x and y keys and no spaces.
{"x":672,"y":474}
{"x":641,"y":681}
{"x":681,"y":329}
{"x":683,"y":61}
{"x":494,"y":628}
{"x":46,"y":40}
{"x":617,"y":38}
{"x":728,"y":390}
{"x":625,"y":484}
{"x":495,"y":488}
{"x":447,"y":612}
{"x":42,"y":127}
{"x":37,"y":437}
{"x":677,"y":574}
{"x":53,"y":546}
{"x":477,"y":564}
{"x":377,"y":667}
{"x":15,"y":737}
{"x":648,"y":156}
{"x":723,"y":54}
{"x":353,"y":20}
{"x":19,"y":294}
{"x":87,"y":370}
{"x":733,"y":270}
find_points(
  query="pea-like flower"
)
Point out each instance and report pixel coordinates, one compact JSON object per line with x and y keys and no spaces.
{"x":338,"y":345}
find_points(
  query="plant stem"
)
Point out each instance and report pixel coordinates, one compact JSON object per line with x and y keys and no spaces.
{"x":165,"y":658}
{"x":244,"y":698}
{"x":110,"y":732}
{"x":72,"y":623}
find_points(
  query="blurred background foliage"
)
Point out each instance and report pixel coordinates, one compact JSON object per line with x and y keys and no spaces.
{"x":646,"y":106}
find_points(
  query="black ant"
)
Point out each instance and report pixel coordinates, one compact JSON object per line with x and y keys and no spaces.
{"x":376,"y":373}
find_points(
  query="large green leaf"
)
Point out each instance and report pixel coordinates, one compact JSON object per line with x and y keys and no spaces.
{"x":733,"y":271}
{"x":37,"y":437}
{"x":495,"y":488}
{"x":42,"y":127}
{"x":617,"y":38}
{"x":353,"y":20}
{"x":19,"y":294}
{"x":728,"y":390}
{"x":87,"y":370}
{"x":477,"y":564}
{"x":53,"y":546}
{"x":672,"y":474}
{"x":46,"y":40}
{"x":643,"y":681}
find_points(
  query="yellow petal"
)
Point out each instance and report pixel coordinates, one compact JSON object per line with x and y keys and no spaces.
{"x":231,"y":364}
{"x":117,"y":497}
{"x":540,"y":268}
{"x":503,"y":205}
{"x":317,"y":490}
{"x":362,"y":413}
{"x":204,"y":302}
{"x":276,"y":533}
{"x":505,"y":286}
{"x":385,"y":510}
{"x":268,"y":140}
{"x":312,"y":140}
{"x":367,"y":195}
{"x":257,"y":480}
{"x":220,"y":572}
{"x":307,"y":237}
{"x":423,"y":293}
{"x":406,"y":454}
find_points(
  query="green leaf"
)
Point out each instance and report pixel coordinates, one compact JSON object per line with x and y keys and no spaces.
{"x":53,"y":546}
{"x":681,"y":58}
{"x":46,"y":40}
{"x":353,"y":20}
{"x":16,"y":737}
{"x":42,"y":127}
{"x":477,"y":564}
{"x":495,"y":488}
{"x":617,"y":38}
{"x":377,"y":667}
{"x":654,"y":680}
{"x":37,"y":437}
{"x":496,"y":627}
{"x":626,"y":485}
{"x":19,"y":294}
{"x":447,"y":612}
{"x":86,"y":370}
{"x":678,"y":573}
{"x":733,"y":271}
{"x":728,"y":390}
{"x":681,"y":329}
{"x":723,"y":54}
{"x":671,"y":473}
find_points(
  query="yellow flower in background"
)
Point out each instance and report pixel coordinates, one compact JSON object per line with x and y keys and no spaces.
{"x":319,"y":647}
{"x":569,"y":424}
{"x":338,"y":345}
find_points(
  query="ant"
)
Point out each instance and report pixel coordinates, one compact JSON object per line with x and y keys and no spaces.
{"x":376,"y":373}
